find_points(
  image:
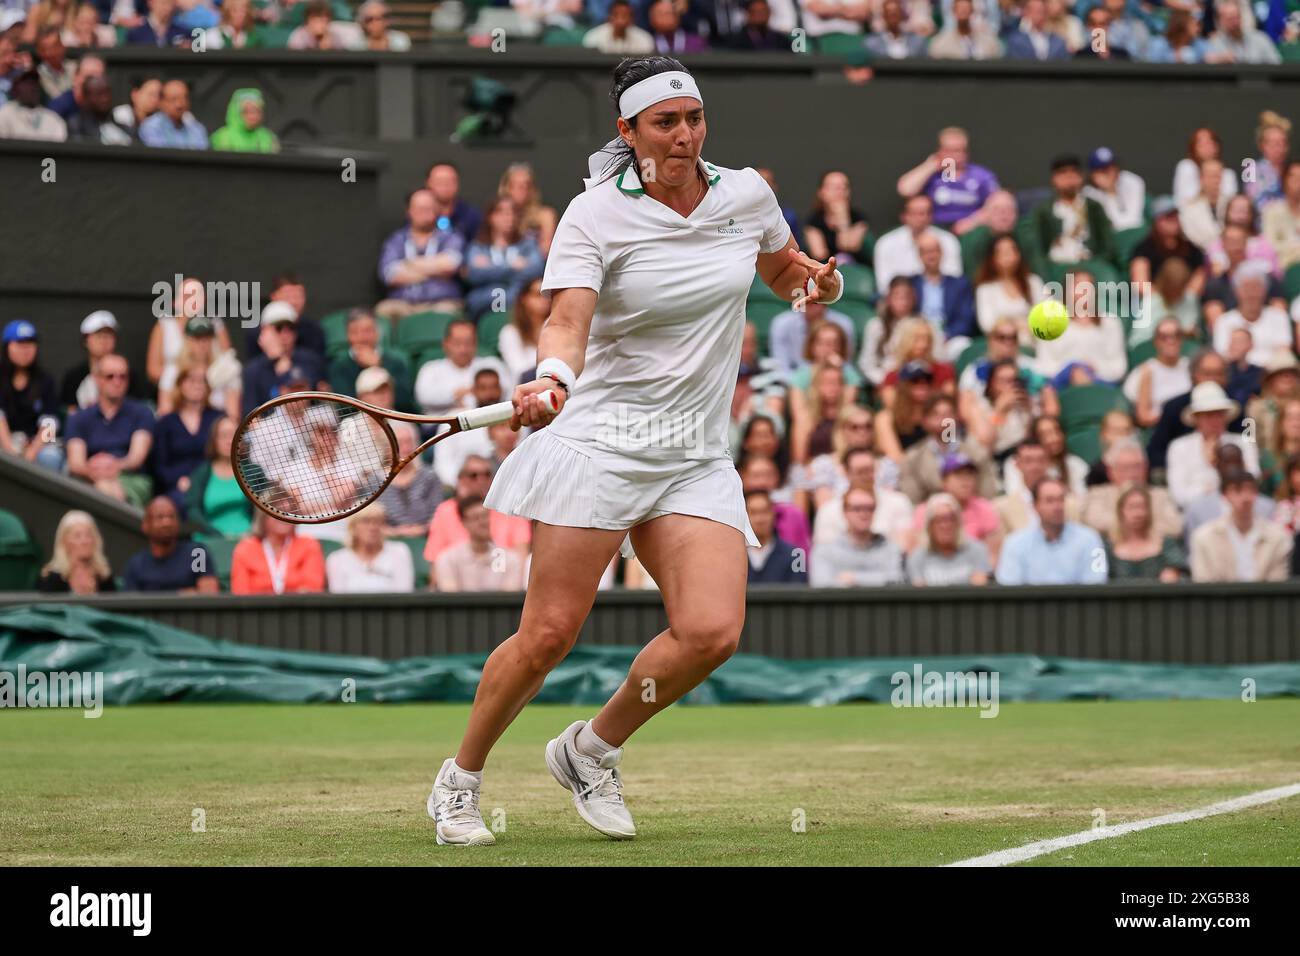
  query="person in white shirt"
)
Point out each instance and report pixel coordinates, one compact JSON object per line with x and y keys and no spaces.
{"x":1192,"y":460}
{"x":834,"y":16}
{"x":1122,"y":194}
{"x":1240,"y":545}
{"x":641,"y":355}
{"x":517,"y":342}
{"x":1092,"y":347}
{"x":896,"y":253}
{"x":1202,"y":216}
{"x":1006,"y":289}
{"x":1271,"y":329}
{"x":893,"y":516}
{"x":370,"y":562}
{"x":447,"y":384}
{"x":619,"y":34}
{"x":1204,"y":144}
{"x":1159,"y":379}
{"x":23,"y":117}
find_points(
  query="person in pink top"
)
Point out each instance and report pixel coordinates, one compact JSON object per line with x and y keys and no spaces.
{"x":446,"y":529}
{"x":979,"y":518}
{"x":758,"y":473}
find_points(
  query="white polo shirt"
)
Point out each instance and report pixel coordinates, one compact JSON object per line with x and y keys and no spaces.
{"x":665,"y":339}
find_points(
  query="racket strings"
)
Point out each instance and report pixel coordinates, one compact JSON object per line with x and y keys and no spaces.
{"x":314,"y":459}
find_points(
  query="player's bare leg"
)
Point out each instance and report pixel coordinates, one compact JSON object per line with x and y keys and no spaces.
{"x":566,"y":569}
{"x":701,"y":569}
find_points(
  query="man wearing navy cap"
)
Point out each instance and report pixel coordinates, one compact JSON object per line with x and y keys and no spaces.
{"x":1121,"y":193}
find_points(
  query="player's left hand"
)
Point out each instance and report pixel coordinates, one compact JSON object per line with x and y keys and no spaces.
{"x":822,"y":274}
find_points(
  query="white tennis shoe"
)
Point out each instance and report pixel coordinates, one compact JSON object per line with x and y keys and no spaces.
{"x":453,"y":804}
{"x":596,"y":785}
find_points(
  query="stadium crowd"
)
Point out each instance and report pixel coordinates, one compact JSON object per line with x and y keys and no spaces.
{"x":915,"y":431}
{"x":46,"y":94}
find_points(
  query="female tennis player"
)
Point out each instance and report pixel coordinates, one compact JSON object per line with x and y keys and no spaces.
{"x":649,"y":271}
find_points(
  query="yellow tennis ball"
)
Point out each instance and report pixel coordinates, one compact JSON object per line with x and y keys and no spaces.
{"x":1048,"y":319}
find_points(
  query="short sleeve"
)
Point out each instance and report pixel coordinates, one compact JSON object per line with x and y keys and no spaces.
{"x":575,"y":260}
{"x":776,"y":231}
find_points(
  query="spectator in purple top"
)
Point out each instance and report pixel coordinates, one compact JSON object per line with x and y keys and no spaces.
{"x":420,"y":261}
{"x":109,"y":442}
{"x":666,"y":28}
{"x":957,"y":187}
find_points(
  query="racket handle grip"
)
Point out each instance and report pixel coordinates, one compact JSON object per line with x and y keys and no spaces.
{"x":501,"y":412}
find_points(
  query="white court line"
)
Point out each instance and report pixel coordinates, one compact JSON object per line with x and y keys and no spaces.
{"x":1031,"y":850}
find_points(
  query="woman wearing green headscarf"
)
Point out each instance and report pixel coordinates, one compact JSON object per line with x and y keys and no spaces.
{"x":244,"y":132}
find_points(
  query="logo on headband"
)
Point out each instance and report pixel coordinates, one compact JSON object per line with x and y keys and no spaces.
{"x":675,"y":84}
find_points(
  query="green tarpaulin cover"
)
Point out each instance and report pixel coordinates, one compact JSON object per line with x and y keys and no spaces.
{"x":142,"y":660}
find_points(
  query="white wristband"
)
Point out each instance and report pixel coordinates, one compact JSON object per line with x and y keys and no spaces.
{"x":560,"y":370}
{"x":809,"y":285}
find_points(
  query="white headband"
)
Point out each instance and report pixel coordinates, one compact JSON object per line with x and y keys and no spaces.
{"x":656,"y":89}
{"x":637,"y":97}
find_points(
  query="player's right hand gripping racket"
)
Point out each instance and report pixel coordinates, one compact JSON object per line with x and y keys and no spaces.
{"x":311,"y":457}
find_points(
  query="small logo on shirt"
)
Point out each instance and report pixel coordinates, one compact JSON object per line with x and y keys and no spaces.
{"x":731,"y":229}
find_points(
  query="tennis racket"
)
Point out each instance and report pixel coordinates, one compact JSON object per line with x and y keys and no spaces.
{"x":312,"y":457}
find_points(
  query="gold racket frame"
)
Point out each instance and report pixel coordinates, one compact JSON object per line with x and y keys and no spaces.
{"x":380,"y":415}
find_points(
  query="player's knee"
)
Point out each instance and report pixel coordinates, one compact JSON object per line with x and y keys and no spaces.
{"x":713,"y":641}
{"x":547,"y":643}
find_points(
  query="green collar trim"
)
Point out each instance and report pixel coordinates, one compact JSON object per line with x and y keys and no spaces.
{"x":628,"y":182}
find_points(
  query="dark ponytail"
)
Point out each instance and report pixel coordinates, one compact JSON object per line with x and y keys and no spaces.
{"x":630,"y":71}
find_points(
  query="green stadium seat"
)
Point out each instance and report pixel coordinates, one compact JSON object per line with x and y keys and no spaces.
{"x":860,"y":312}
{"x":859,"y":282}
{"x":490,"y":325}
{"x":760,"y":291}
{"x":840,"y":44}
{"x":421,"y":332}
{"x":221,"y":551}
{"x":416,"y":546}
{"x":1291,"y":282}
{"x":335,"y":326}
{"x":20,"y":558}
{"x":1083,"y":405}
{"x":559,"y":36}
{"x":762,"y":314}
{"x":1290,"y":52}
{"x":328,"y":547}
{"x":271,"y":37}
{"x":971,"y":353}
{"x":1147,"y":350}
{"x":1126,"y":240}
{"x":1085,"y":442}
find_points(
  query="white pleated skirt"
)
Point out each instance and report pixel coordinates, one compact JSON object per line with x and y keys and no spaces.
{"x":550,"y":479}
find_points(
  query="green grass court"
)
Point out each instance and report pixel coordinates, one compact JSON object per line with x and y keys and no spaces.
{"x":345,"y":784}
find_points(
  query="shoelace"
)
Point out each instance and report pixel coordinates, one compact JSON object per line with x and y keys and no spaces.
{"x":609,"y":785}
{"x":462,"y":807}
